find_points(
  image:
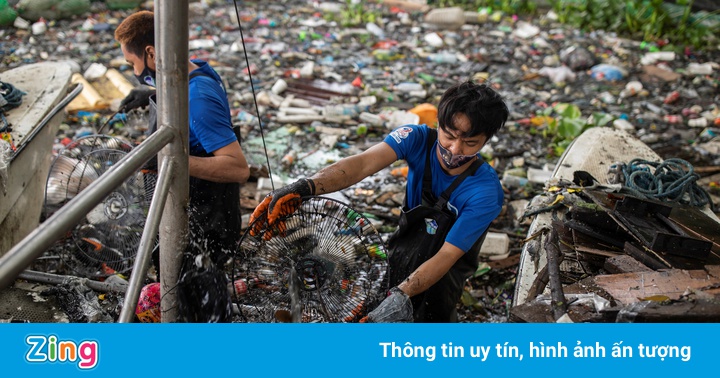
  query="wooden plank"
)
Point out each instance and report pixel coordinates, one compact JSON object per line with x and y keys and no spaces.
{"x":685,"y":312}
{"x":625,"y":264}
{"x":714,"y":270}
{"x":505,"y":263}
{"x":628,"y":288}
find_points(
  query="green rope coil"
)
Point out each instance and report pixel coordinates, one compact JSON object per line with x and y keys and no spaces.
{"x":673,"y":180}
{"x":11,"y":96}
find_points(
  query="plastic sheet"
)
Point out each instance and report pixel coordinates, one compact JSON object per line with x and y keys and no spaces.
{"x":5,"y":155}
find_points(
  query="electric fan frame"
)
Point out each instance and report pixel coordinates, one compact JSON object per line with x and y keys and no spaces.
{"x":127,"y":206}
{"x":297,"y":277}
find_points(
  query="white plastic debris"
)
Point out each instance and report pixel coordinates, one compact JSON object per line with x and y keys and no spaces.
{"x":495,"y":246}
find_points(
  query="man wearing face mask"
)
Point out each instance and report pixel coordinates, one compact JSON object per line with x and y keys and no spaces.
{"x":451,"y":198}
{"x":217,"y":165}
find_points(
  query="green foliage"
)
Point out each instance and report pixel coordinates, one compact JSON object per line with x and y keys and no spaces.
{"x":507,"y":6}
{"x":357,"y":14}
{"x":650,"y":20}
{"x":568,"y":123}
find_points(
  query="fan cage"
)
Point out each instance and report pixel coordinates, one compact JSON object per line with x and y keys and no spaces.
{"x":107,"y":239}
{"x":328,"y":266}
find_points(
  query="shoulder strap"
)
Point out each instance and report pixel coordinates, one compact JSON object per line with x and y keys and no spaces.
{"x":197,"y":73}
{"x":445,"y":196}
{"x":427,"y":194}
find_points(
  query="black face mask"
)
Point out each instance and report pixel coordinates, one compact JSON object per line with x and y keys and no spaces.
{"x":452,"y":161}
{"x":147,"y":76}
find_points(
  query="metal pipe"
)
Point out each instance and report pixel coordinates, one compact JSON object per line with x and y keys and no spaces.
{"x":171,"y":44}
{"x":43,"y":237}
{"x":142,"y":260}
{"x":55,"y":279}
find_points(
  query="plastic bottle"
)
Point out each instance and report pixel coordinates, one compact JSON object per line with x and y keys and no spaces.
{"x":443,"y":57}
{"x":513,"y":178}
{"x":246,"y":117}
{"x":479,"y":17}
{"x":698,"y":122}
{"x":279,"y":87}
{"x":342,"y":110}
{"x":448,"y":18}
{"x":654,"y":57}
{"x":375,"y":30}
{"x":700,"y":69}
{"x":372,"y":119}
{"x":408,"y":87}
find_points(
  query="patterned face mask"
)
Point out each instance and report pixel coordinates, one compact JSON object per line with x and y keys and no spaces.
{"x":453,"y":161}
{"x":147,"y":76}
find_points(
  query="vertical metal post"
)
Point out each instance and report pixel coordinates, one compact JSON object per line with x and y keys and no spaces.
{"x":171,"y":45}
{"x":147,"y":242}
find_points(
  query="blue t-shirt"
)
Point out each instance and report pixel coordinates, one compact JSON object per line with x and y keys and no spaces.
{"x":210,"y":122}
{"x":476,"y":201}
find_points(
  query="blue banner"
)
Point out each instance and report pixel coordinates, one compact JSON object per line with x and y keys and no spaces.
{"x":357,"y":350}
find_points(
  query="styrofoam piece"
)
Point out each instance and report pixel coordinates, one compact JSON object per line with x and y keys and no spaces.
{"x":495,"y":244}
{"x":538,"y":176}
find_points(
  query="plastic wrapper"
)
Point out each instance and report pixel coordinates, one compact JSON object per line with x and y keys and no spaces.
{"x":5,"y":154}
{"x":148,"y":307}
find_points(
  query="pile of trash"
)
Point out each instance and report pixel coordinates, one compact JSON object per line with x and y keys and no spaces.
{"x":330,"y":83}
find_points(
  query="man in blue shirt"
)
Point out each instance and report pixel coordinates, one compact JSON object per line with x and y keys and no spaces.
{"x":216,"y":166}
{"x":451,"y":198}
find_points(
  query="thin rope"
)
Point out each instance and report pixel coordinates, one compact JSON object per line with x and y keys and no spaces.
{"x":252,"y":87}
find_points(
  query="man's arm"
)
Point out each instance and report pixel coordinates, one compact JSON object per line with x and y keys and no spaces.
{"x":432,"y":270}
{"x":353,"y":169}
{"x":227,"y":164}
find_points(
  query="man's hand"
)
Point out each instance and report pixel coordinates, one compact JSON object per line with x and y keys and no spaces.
{"x":396,"y":308}
{"x":277,"y":204}
{"x":137,"y":98}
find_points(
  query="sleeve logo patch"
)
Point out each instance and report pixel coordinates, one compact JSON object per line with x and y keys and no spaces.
{"x":401,"y":133}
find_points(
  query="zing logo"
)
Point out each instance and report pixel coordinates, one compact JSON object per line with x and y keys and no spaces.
{"x":49,"y":349}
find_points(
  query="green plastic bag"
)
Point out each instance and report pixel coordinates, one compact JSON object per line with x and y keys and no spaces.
{"x":52,"y":9}
{"x":123,"y":4}
{"x":7,"y":14}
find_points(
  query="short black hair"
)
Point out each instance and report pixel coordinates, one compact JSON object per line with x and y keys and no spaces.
{"x":485,"y":108}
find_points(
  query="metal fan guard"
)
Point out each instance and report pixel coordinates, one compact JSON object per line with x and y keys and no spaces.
{"x":328,"y":266}
{"x":125,"y":209}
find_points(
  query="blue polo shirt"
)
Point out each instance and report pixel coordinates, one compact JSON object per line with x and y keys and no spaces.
{"x":210,"y":122}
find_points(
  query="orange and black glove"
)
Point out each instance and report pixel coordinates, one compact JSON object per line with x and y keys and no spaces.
{"x":279,"y":203}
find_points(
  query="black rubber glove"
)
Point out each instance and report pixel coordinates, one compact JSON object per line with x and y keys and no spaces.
{"x":137,"y":98}
{"x":396,"y":308}
{"x":279,"y":203}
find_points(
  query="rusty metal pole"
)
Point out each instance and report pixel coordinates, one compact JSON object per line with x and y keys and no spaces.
{"x":171,"y":44}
